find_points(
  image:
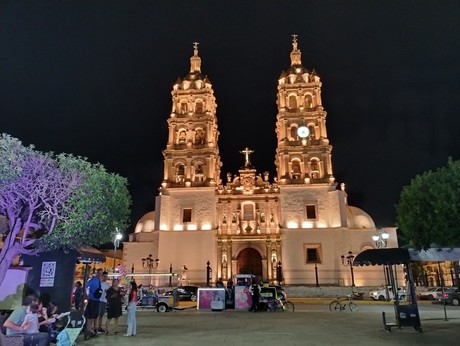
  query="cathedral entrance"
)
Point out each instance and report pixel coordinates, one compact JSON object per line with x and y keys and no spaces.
{"x":249,"y":261}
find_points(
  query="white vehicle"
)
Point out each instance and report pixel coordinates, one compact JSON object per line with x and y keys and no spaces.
{"x":381,"y":294}
{"x":432,"y":294}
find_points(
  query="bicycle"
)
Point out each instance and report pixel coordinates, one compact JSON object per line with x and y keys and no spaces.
{"x":341,"y":303}
{"x":280,"y":305}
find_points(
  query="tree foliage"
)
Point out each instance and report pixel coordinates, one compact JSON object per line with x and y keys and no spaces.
{"x":428,"y":211}
{"x":50,"y":201}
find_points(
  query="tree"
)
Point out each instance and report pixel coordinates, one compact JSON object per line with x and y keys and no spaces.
{"x":428,"y":211}
{"x":52,"y":201}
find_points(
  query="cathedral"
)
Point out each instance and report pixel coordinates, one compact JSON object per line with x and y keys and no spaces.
{"x":291,"y":228}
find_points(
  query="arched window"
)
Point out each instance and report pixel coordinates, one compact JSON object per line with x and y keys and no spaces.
{"x":292,"y":102}
{"x":183,"y":107}
{"x":199,"y":107}
{"x":182,"y":137}
{"x":199,"y":136}
{"x":296,"y":171}
{"x":311,"y":128}
{"x":308,"y":101}
{"x":199,"y":171}
{"x":293,"y":133}
{"x":315,"y":168}
{"x":180,"y":172}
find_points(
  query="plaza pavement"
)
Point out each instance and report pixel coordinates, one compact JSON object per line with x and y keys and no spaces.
{"x":311,"y":324}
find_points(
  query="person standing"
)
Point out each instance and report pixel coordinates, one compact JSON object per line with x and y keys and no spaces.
{"x":132,"y":307}
{"x":114,"y":306}
{"x":220,"y":283}
{"x":14,"y":325}
{"x":255,"y":292}
{"x":102,"y":301}
{"x":92,"y":309}
{"x":78,"y":295}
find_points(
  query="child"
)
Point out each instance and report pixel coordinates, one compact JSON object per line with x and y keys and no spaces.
{"x":30,"y":324}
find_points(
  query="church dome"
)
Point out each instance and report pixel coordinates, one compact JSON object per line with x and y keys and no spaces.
{"x":146,"y":223}
{"x":358,"y":218}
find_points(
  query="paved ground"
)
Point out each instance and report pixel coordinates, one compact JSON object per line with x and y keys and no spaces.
{"x":311,"y":324}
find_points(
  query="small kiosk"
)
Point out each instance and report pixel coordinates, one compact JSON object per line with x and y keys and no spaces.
{"x":406,"y":313}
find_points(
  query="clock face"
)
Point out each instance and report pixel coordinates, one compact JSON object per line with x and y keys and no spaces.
{"x":303,"y":131}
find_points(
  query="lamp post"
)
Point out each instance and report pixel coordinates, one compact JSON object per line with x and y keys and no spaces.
{"x":116,"y":243}
{"x":349,"y":262}
{"x":380,"y":239}
{"x":208,"y":274}
{"x":316,"y":273}
{"x":150,"y":263}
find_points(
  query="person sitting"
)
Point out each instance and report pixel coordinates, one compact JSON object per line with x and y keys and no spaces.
{"x":15,"y":321}
{"x":30,"y":324}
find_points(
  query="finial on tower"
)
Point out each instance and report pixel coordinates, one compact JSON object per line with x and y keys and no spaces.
{"x":195,"y":48}
{"x":195,"y":60}
{"x":295,"y":54}
{"x":294,"y":42}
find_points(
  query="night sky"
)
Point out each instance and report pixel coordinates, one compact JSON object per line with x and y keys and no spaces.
{"x":94,"y":78}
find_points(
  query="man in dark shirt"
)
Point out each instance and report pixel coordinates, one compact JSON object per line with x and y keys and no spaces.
{"x":255,"y":292}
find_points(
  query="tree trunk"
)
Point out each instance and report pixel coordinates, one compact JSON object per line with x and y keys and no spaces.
{"x":8,"y":254}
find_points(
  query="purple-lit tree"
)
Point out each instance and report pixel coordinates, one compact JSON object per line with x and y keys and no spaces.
{"x":55,"y":201}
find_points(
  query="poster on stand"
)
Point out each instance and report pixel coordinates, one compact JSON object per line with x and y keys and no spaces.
{"x":243,"y":299}
{"x":207,"y":295}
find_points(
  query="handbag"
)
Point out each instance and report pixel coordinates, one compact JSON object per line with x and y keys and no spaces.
{"x":98,"y":293}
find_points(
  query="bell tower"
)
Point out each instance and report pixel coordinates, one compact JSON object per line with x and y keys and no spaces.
{"x":303,"y":153}
{"x":191,"y":157}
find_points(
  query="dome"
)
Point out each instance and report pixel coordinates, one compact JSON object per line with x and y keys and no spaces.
{"x":358,"y":218}
{"x":146,"y":223}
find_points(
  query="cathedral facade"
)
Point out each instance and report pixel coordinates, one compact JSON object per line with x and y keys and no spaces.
{"x":294,"y":227}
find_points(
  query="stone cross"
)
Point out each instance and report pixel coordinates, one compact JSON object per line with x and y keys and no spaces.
{"x":246,"y":153}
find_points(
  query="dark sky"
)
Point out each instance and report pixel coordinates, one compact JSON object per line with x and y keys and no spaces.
{"x":94,"y":78}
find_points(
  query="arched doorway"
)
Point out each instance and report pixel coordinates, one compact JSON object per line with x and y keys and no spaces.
{"x":249,"y":261}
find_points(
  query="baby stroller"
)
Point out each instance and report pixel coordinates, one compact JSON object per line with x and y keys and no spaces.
{"x":68,"y":336}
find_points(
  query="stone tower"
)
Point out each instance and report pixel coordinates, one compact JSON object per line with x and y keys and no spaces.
{"x":191,"y":157}
{"x":303,"y":154}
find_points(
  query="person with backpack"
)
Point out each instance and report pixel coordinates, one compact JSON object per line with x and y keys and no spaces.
{"x":92,"y":309}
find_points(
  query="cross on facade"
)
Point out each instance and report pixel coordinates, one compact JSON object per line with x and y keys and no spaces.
{"x":246,"y":153}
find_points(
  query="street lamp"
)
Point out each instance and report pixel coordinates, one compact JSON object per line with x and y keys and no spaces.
{"x":380,"y":239}
{"x":116,"y":243}
{"x":150,"y":263}
{"x":349,"y":262}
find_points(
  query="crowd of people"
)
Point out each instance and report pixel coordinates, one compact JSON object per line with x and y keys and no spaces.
{"x":105,"y":297}
{"x":39,"y":320}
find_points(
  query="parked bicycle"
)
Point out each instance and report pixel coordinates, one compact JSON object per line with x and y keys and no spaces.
{"x":280,"y":305}
{"x":341,"y":303}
